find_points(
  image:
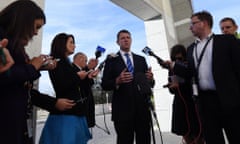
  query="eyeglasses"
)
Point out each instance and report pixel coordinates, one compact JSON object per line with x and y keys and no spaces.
{"x":193,"y":23}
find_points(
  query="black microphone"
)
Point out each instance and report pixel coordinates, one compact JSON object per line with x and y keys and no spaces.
{"x":99,"y":51}
{"x":148,"y":51}
{"x":109,"y":56}
{"x":166,"y":85}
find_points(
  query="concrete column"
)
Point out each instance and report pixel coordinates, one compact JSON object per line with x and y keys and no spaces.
{"x":157,"y":41}
{"x":162,"y":33}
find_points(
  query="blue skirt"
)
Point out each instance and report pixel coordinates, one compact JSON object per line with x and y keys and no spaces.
{"x":65,"y":129}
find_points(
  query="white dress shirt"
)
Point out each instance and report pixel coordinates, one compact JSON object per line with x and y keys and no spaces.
{"x":124,"y":57}
{"x":205,"y":75}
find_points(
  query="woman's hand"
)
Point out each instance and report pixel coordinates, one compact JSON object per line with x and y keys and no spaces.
{"x":93,"y":73}
{"x":63,"y":104}
{"x":44,"y":62}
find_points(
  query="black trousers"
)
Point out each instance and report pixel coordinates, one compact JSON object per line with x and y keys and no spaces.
{"x":217,"y":118}
{"x":127,"y":131}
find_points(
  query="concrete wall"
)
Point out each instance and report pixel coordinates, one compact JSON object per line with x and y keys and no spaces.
{"x":157,"y":41}
{"x":162,"y":34}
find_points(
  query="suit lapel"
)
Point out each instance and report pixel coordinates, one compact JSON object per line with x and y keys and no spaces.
{"x":120,"y":61}
{"x":214,"y":48}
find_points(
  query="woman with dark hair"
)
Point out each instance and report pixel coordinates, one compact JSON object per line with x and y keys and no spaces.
{"x":184,"y":117}
{"x":68,"y":126}
{"x":19,"y":22}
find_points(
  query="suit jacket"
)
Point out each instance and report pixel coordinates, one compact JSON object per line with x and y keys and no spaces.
{"x":66,"y":84}
{"x":86,"y":90}
{"x":127,"y":100}
{"x":225,"y":69}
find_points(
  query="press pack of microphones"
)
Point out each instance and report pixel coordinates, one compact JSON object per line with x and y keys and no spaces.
{"x":100,"y":50}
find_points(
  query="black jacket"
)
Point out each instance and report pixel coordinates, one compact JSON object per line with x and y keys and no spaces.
{"x":225,"y":69}
{"x":128,"y":101}
{"x":66,"y":84}
{"x":86,"y":90}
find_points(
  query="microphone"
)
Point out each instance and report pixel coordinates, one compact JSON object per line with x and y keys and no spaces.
{"x":166,"y":85}
{"x":109,"y":56}
{"x":99,"y":51}
{"x":148,"y":51}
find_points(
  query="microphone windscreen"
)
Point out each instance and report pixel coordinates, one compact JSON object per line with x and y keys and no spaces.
{"x":99,"y":51}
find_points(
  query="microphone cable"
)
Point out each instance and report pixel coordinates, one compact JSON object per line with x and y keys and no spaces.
{"x":186,"y":112}
{"x":186,"y":109}
{"x":187,"y":117}
{"x":200,"y":125}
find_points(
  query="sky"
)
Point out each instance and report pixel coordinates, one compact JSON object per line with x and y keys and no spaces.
{"x":92,"y":22}
{"x":96,"y":22}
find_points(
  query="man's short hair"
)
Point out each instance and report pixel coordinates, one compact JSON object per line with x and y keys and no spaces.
{"x":123,"y":31}
{"x":228,"y":19}
{"x":204,"y":16}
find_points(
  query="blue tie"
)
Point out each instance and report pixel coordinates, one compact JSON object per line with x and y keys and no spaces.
{"x":129,"y":63}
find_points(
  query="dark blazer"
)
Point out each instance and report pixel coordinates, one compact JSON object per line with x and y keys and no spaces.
{"x":225,"y":69}
{"x":14,"y":94}
{"x":66,"y":84}
{"x":86,"y":90}
{"x":127,"y":99}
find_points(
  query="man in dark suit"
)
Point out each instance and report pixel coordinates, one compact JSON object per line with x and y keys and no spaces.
{"x":86,"y":73}
{"x":131,"y":82}
{"x":213,"y":61}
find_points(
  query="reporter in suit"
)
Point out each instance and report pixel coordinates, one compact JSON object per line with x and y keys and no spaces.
{"x":217,"y":73}
{"x":87,"y":73}
{"x":130,"y":107}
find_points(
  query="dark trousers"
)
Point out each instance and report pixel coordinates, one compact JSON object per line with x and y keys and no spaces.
{"x":127,"y":131}
{"x":216,"y":119}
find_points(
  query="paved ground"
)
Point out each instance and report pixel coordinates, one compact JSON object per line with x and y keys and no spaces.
{"x":99,"y":134}
{"x":101,"y":137}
